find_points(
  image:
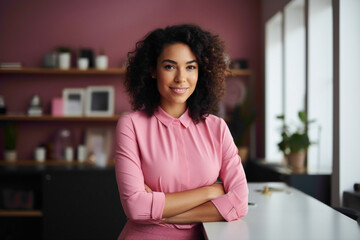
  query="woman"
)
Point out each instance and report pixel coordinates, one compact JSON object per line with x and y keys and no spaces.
{"x":171,"y":150}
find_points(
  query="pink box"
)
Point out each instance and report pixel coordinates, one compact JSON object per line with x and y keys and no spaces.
{"x":57,"y":107}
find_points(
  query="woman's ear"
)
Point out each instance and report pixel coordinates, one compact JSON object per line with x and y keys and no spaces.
{"x":153,"y":73}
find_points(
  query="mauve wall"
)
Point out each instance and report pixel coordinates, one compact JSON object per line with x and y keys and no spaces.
{"x":30,"y":29}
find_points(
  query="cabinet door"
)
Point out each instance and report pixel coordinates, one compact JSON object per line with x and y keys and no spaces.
{"x":82,"y":204}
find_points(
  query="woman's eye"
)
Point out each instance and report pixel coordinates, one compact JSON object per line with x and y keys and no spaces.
{"x":169,"y":67}
{"x":191,"y":67}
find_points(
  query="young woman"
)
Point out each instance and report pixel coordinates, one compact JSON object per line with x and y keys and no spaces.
{"x":171,"y":150}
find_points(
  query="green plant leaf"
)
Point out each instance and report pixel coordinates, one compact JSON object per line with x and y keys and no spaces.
{"x":303,"y":117}
{"x":296,"y":141}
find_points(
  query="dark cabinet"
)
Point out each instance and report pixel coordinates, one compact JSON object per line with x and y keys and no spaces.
{"x":76,"y":202}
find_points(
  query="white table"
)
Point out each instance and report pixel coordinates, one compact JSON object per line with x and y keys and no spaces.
{"x":286,"y":215}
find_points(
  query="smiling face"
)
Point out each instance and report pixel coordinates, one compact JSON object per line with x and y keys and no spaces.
{"x":177,"y":75}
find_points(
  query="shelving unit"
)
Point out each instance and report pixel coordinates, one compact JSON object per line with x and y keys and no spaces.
{"x":21,"y":213}
{"x":55,"y":163}
{"x":47,"y":118}
{"x":110,"y":71}
{"x":240,"y":72}
{"x":75,"y":71}
{"x":52,"y":178}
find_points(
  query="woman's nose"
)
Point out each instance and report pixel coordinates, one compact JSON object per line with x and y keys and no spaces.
{"x":180,"y":76}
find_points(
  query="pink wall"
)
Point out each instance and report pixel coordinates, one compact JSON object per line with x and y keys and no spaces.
{"x":30,"y":29}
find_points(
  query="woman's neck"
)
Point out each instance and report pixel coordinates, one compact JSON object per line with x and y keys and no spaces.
{"x":175,"y":110}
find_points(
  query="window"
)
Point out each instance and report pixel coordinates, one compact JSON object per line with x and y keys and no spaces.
{"x":295,"y":77}
{"x":349,"y":97}
{"x":320,"y":85}
{"x":273,"y":86}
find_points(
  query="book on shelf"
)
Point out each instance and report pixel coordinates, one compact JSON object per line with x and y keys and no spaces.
{"x":10,"y":65}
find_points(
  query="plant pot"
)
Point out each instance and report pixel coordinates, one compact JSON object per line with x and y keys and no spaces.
{"x":243,"y":152}
{"x":296,"y":161}
{"x":101,"y":62}
{"x":64,"y":60}
{"x":10,"y":155}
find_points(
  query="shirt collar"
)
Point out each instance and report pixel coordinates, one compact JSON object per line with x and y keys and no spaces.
{"x":167,"y":120}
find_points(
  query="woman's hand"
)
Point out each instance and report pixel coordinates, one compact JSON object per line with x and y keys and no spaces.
{"x":216,"y":190}
{"x":147,"y":189}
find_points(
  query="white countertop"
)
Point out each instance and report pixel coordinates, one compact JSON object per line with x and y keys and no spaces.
{"x":289,"y":214}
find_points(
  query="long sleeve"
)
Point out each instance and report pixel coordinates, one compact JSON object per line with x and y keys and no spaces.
{"x":137,"y":203}
{"x":234,"y":204}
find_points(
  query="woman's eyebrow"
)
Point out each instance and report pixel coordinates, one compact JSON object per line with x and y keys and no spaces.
{"x":193,"y":61}
{"x":168,"y":60}
{"x":173,"y":62}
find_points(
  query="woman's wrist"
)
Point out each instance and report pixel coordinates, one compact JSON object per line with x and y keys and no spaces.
{"x":215,"y":190}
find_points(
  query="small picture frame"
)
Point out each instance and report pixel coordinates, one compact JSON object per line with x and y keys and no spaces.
{"x":99,"y":145}
{"x":73,"y":100}
{"x":100,"y":101}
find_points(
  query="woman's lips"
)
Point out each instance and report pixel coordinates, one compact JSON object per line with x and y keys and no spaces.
{"x":178,"y":91}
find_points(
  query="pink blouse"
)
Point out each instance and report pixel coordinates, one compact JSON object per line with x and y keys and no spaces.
{"x":174,"y":155}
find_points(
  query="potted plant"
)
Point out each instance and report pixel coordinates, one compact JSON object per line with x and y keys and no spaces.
{"x":64,"y":54}
{"x":10,"y":142}
{"x":101,"y":61}
{"x":295,"y":144}
{"x":240,"y":120}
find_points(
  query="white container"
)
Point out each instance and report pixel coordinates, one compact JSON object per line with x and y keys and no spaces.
{"x":64,"y":60}
{"x":69,"y":154}
{"x":40,"y":154}
{"x":81,"y":153}
{"x":101,"y":62}
{"x":83,"y":63}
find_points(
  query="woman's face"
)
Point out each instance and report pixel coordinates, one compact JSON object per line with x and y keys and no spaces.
{"x":177,"y":75}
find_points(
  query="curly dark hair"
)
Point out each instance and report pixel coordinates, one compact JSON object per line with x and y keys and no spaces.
{"x":209,"y":51}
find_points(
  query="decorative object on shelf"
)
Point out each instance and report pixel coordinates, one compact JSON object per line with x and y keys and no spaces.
{"x":10,"y":139}
{"x":2,"y":105}
{"x":50,"y":60}
{"x":239,"y":64}
{"x":83,"y":63}
{"x":89,"y":54}
{"x":69,"y":154}
{"x":63,"y":140}
{"x":241,"y":116}
{"x":57,"y":107}
{"x":35,"y":108}
{"x":101,"y":61}
{"x":40,"y":154}
{"x":64,"y":58}
{"x":81,"y":153}
{"x":73,"y":99}
{"x":100,"y":101}
{"x":295,"y":144}
{"x":98,"y":143}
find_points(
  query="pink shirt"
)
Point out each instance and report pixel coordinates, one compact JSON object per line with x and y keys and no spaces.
{"x":173,"y":155}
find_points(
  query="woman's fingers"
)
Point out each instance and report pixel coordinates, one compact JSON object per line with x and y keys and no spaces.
{"x":147,"y":189}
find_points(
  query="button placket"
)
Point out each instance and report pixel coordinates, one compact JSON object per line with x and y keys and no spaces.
{"x":182,"y":153}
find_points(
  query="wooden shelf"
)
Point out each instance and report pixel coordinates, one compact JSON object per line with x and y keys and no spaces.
{"x":240,"y":72}
{"x":75,"y":71}
{"x":50,"y":163}
{"x":72,"y":71}
{"x":20,"y":213}
{"x":59,"y":119}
